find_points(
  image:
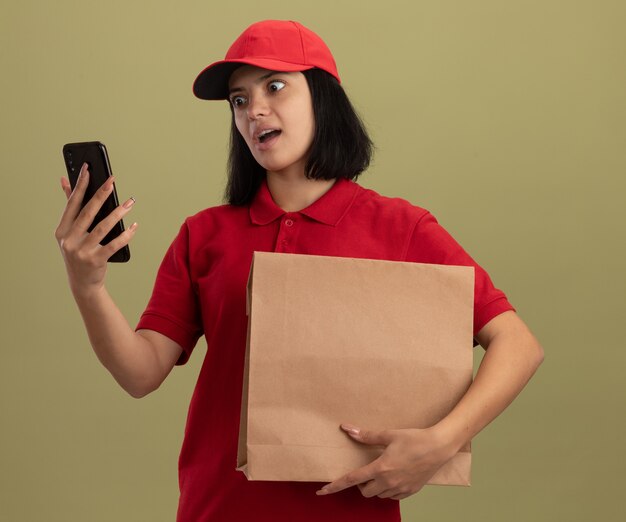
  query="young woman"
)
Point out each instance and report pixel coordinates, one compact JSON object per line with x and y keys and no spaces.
{"x":297,"y":147}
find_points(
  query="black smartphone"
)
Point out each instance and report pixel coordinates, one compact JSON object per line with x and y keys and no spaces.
{"x":94,"y":153}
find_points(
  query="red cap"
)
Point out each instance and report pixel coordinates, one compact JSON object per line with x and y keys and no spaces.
{"x":279,"y":45}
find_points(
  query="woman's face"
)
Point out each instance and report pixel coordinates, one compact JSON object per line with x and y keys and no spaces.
{"x":265,"y":100}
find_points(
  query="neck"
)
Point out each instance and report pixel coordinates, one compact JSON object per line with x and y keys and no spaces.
{"x":293,"y":193}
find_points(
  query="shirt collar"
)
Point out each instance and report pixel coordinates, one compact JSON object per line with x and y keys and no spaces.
{"x":328,"y":209}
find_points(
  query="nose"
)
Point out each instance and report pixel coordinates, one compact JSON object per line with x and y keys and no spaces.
{"x":257,"y":107}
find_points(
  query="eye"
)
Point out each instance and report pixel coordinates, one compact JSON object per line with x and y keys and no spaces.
{"x":236,"y":101}
{"x":273,"y":83}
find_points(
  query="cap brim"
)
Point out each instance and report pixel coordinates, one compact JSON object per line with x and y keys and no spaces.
{"x":212,"y":82}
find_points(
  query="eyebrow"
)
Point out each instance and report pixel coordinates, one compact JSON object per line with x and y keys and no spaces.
{"x":258,"y":80}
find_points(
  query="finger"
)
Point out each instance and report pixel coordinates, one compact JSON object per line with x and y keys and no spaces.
{"x":72,"y":208}
{"x":100,"y":231}
{"x":389,"y":493}
{"x":402,"y":493}
{"x":351,"y":479}
{"x":373,"y":488}
{"x":66,"y":188}
{"x":362,"y":485}
{"x":375,"y":437}
{"x":88,"y":213}
{"x":119,"y":242}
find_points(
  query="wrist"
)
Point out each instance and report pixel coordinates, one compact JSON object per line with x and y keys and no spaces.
{"x":85,"y":294}
{"x":451,"y":439}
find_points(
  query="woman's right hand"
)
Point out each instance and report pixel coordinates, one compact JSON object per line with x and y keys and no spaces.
{"x":85,"y":259}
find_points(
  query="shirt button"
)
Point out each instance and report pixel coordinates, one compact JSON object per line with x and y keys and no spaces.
{"x":288,"y":222}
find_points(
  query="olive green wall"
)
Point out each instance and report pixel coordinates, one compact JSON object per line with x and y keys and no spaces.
{"x":506,"y":119}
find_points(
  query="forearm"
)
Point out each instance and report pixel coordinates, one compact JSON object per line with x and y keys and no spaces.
{"x":126,"y":354}
{"x":509,"y":363}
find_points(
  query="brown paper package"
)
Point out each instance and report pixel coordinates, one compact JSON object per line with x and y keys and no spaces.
{"x":374,"y":343}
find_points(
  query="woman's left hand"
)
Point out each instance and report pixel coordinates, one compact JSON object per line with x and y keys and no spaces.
{"x":411,"y":457}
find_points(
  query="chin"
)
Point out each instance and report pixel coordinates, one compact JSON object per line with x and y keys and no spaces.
{"x":275,"y":166}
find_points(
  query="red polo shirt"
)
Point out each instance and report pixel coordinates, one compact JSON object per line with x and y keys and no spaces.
{"x":200,"y":290}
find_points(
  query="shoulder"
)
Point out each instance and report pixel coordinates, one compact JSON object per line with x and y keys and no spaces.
{"x":217,"y":216}
{"x":388,"y":208}
{"x":211,"y":223}
{"x":427,"y":241}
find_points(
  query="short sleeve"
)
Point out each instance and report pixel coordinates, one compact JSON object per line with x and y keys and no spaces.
{"x":174,"y":309}
{"x":431,"y":243}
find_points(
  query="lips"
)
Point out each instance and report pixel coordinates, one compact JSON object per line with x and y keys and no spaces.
{"x":266,"y":141}
{"x":264,"y":137}
{"x":265,"y":133}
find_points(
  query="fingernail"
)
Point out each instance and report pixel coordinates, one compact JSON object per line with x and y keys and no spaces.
{"x":129,"y":203}
{"x":83,"y":171}
{"x":351,"y":429}
{"x":108,"y":185}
